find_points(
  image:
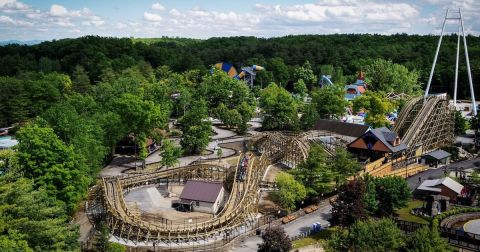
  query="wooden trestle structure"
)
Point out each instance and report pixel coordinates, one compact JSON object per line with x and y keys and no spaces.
{"x":291,"y":149}
{"x":240,"y":209}
{"x":425,"y":124}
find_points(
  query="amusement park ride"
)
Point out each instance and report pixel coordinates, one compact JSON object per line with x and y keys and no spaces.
{"x":457,"y":16}
{"x":248,"y":74}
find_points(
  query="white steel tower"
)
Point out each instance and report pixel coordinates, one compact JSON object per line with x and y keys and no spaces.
{"x":461,"y":33}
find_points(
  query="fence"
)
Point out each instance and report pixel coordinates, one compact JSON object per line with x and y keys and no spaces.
{"x":407,"y":226}
{"x":454,"y":236}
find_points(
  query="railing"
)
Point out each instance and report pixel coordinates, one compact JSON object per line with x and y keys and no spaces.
{"x":408,"y":226}
{"x":461,"y":238}
{"x":454,"y":236}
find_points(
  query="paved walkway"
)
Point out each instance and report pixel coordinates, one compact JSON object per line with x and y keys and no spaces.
{"x":222,"y":136}
{"x":294,"y":228}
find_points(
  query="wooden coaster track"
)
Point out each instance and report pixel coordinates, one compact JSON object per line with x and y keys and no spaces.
{"x":425,"y":124}
{"x":241,"y":208}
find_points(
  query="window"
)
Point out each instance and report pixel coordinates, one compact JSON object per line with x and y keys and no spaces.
{"x":197,"y":203}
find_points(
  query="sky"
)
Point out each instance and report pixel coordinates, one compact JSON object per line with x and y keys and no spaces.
{"x":56,"y":19}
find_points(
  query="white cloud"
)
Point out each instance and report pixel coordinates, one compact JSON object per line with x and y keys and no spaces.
{"x":158,"y":6}
{"x":4,"y":2}
{"x":152,"y":17}
{"x":175,"y":12}
{"x":343,"y":11}
{"x":14,"y":6}
{"x":58,"y":11}
{"x":63,"y":17}
{"x":264,"y":20}
{"x":64,"y":22}
{"x":8,"y":20}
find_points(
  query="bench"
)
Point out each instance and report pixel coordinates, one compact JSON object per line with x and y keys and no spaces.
{"x":310,"y":209}
{"x":288,"y":219}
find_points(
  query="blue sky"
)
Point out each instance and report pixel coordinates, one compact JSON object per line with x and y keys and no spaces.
{"x":54,"y":19}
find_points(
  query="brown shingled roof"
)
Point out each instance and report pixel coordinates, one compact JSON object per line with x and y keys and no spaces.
{"x":341,"y":128}
{"x":205,"y":191}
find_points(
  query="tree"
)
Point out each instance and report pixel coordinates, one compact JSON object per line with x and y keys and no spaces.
{"x":230,"y":117}
{"x":300,"y":88}
{"x":139,"y":117}
{"x":461,"y":123}
{"x":170,"y":153}
{"x":344,"y":165}
{"x":280,"y":109}
{"x":79,"y":130}
{"x":475,"y":122}
{"x":306,"y":74}
{"x":275,"y":240}
{"x":279,"y":69}
{"x":196,"y":129}
{"x":196,"y":138}
{"x":44,"y":158}
{"x":370,"y":197}
{"x":45,"y":90}
{"x":7,"y":160}
{"x":376,"y":105}
{"x":309,"y":116}
{"x":426,"y":239}
{"x":116,"y":247}
{"x":329,"y":101}
{"x":388,"y":237}
{"x":81,"y":82}
{"x":314,"y":173}
{"x":391,"y":193}
{"x":219,"y":153}
{"x":383,"y":75}
{"x":220,"y":88}
{"x":369,"y":235}
{"x":247,"y":112}
{"x":15,"y":103}
{"x":11,"y":244}
{"x":349,"y":205}
{"x":289,"y":191}
{"x":47,"y":65}
{"x":29,"y":217}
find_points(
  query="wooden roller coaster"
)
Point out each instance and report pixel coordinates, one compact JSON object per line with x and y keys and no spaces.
{"x":290,"y":149}
{"x":240,"y":209}
{"x":425,"y":124}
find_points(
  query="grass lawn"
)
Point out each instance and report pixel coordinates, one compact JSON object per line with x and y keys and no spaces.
{"x":404,"y":213}
{"x":320,"y":237}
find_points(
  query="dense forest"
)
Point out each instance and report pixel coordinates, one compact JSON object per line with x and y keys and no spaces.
{"x":347,"y":52}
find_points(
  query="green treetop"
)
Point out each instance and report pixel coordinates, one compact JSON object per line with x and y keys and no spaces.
{"x":280,"y":109}
{"x":376,"y":105}
{"x":290,"y":191}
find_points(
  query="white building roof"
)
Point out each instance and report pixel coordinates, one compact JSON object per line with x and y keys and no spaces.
{"x":430,"y":185}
